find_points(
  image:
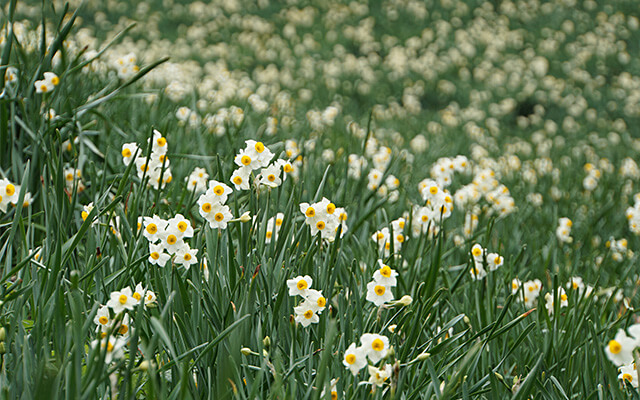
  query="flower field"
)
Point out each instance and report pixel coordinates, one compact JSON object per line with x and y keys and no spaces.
{"x":322,"y":199}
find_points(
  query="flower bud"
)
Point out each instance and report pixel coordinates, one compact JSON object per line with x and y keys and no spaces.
{"x":266,"y":342}
{"x":246,"y":351}
{"x":405,"y":300}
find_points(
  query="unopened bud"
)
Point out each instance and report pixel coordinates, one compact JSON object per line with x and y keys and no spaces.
{"x":246,"y":217}
{"x":405,"y":300}
{"x":392,"y":328}
{"x":266,"y":341}
{"x":246,"y":351}
{"x":3,"y":334}
{"x":423,"y":356}
{"x":466,"y":320}
{"x":3,"y":349}
{"x":144,"y":365}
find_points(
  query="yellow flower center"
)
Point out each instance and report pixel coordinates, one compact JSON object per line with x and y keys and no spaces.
{"x":380,"y":235}
{"x":433,"y":189}
{"x":287,"y":168}
{"x":245,"y":160}
{"x":172,"y":239}
{"x":161,"y":142}
{"x":269,"y":234}
{"x":563,"y":297}
{"x":400,"y":238}
{"x":377,"y":345}
{"x":44,"y":88}
{"x":308,"y":314}
{"x":103,"y":320}
{"x":206,"y":207}
{"x":84,"y":215}
{"x":152,"y":229}
{"x":331,"y":208}
{"x":278,"y":221}
{"x":10,"y":189}
{"x":259,"y":147}
{"x":310,"y":212}
{"x":425,"y":218}
{"x":615,"y":347}
{"x":237,"y":180}
{"x":271,"y":177}
{"x":514,"y":286}
{"x":320,"y":225}
{"x":187,"y":257}
{"x":123,"y":329}
{"x":379,"y":290}
{"x":154,"y":255}
{"x":218,"y":190}
{"x":627,"y":377}
{"x":497,"y":260}
{"x":350,"y":359}
{"x":123,"y":298}
{"x":126,"y":153}
{"x":321,"y":301}
{"x":477,"y":252}
{"x":302,"y":284}
{"x":55,"y":80}
{"x":385,"y":271}
{"x":109,"y":347}
{"x":182,"y":226}
{"x":218,"y":217}
{"x":136,"y":296}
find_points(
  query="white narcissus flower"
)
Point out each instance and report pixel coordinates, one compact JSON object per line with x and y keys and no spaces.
{"x":629,"y":374}
{"x":157,"y":256}
{"x":305,"y":314}
{"x":129,"y":151}
{"x":385,"y":275}
{"x":219,"y":191}
{"x":270,"y":176}
{"x":378,"y":294}
{"x":219,"y":216}
{"x":240,"y":178}
{"x":153,"y":228}
{"x":354,"y":359}
{"x":139,"y":292}
{"x":299,"y":285}
{"x":149,"y":298}
{"x":122,"y":300}
{"x":619,"y":350}
{"x":378,"y":376}
{"x":495,"y":261}
{"x":181,"y":226}
{"x":113,"y":347}
{"x":375,"y":346}
{"x":103,"y":319}
{"x":549,"y":298}
{"x":186,"y":256}
{"x":316,"y":300}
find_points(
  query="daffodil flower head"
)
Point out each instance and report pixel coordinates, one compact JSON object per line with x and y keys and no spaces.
{"x":299,"y":285}
{"x":306,"y":314}
{"x":385,"y":275}
{"x":240,"y":178}
{"x":186,"y":256}
{"x":629,"y":374}
{"x":378,"y":293}
{"x":619,"y":350}
{"x":355,"y":358}
{"x":316,"y":301}
{"x":122,"y":300}
{"x":157,"y":256}
{"x":376,"y":346}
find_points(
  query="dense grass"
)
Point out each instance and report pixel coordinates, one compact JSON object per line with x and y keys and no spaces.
{"x":233,"y":334}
